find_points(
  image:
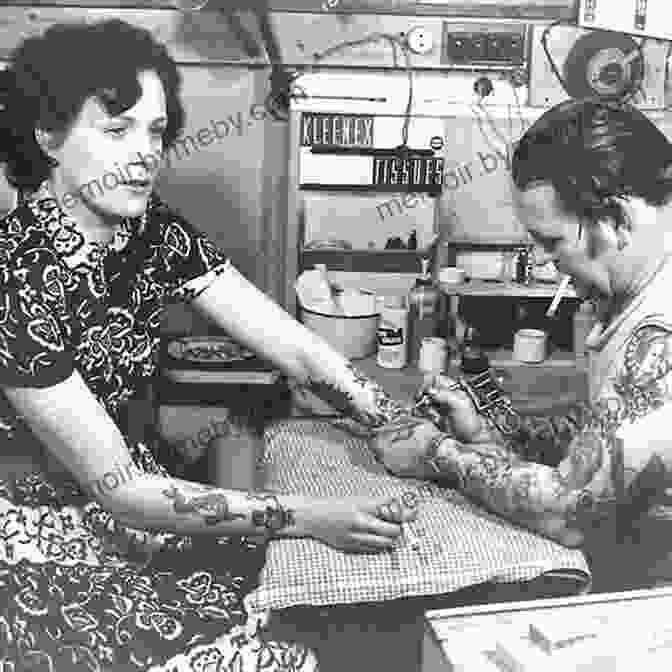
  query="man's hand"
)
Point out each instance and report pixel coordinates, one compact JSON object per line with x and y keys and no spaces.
{"x":404,"y":445}
{"x":462,"y":420}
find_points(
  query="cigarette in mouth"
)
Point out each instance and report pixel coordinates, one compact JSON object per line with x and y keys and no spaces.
{"x":559,"y":295}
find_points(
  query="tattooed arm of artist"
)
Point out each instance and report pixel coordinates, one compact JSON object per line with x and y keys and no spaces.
{"x":546,"y":438}
{"x":618,"y":461}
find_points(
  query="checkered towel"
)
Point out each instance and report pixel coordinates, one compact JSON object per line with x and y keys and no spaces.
{"x":461,"y":544}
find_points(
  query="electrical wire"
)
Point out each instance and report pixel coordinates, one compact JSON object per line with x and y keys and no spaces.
{"x":507,"y":142}
{"x":551,"y":61}
{"x":519,"y":108}
{"x":394,"y":41}
{"x":667,"y":73}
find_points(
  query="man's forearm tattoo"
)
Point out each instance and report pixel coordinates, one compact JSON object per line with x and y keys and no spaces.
{"x":380,"y":410}
{"x":208,"y":502}
{"x":546,"y":439}
{"x":529,"y":493}
{"x":585,"y":483}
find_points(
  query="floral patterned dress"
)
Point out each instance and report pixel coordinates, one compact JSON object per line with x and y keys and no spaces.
{"x":78,"y":591}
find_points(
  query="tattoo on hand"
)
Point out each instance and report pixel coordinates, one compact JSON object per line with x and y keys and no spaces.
{"x":213,"y":506}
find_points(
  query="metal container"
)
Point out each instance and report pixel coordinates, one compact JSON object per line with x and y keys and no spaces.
{"x":355,"y":337}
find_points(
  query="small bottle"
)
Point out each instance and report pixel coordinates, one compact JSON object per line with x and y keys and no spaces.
{"x":583,"y":322}
{"x":392,"y":334}
{"x":413,"y":240}
{"x":474,"y":359}
{"x":523,"y":266}
{"x":424,"y":312}
{"x":455,"y":330}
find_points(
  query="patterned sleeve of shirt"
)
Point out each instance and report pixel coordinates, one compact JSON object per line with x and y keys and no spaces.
{"x":188,"y":260}
{"x":34,"y":324}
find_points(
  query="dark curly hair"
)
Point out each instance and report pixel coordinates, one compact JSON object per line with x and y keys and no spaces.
{"x":592,"y":152}
{"x":50,"y":76}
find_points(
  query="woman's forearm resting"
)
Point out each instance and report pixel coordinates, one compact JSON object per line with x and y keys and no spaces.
{"x":183,"y":507}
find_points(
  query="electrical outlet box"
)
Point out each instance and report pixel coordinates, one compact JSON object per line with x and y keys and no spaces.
{"x":468,"y":45}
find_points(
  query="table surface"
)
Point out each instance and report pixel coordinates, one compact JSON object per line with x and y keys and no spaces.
{"x":600,"y":633}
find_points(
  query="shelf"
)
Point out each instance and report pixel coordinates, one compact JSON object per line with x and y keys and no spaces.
{"x":503,"y":357}
{"x":365,"y":261}
{"x":499,"y":288}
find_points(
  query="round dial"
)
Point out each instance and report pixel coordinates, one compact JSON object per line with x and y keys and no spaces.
{"x":603,"y":64}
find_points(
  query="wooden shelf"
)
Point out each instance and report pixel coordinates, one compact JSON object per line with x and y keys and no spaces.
{"x":365,"y":261}
{"x":503,"y":357}
{"x":499,"y":288}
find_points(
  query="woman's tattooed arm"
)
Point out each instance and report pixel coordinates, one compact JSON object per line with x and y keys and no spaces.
{"x":358,"y":396}
{"x":261,"y":512}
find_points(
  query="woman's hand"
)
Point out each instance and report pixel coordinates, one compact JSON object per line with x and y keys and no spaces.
{"x":462,"y":420}
{"x":403,"y":446}
{"x":358,"y":524}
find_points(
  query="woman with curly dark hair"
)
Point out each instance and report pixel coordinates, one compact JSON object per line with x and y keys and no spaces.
{"x":108,"y":561}
{"x":593,"y":181}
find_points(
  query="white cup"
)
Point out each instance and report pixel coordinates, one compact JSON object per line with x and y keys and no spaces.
{"x":529,"y":346}
{"x":433,"y":355}
{"x":451,"y":275}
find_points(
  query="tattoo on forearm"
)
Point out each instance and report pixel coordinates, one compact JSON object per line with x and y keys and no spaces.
{"x":210,"y":504}
{"x":382,"y":411}
{"x":273,"y":517}
{"x":546,"y":439}
{"x":590,"y":483}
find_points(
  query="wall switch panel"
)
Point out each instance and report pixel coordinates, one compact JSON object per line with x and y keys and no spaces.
{"x":494,"y":45}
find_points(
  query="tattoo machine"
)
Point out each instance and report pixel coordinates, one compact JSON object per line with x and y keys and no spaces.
{"x":488,"y":399}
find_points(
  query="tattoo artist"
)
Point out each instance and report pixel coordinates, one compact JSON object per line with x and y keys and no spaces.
{"x":593,"y":182}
